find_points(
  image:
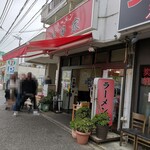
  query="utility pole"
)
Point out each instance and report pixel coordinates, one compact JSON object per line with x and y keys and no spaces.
{"x":18,"y":38}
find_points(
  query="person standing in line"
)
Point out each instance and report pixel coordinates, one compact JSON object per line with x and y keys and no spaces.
{"x":16,"y":107}
{"x":29,"y":89}
{"x":7,"y":91}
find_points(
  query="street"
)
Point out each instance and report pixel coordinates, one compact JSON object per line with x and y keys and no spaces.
{"x":32,"y":132}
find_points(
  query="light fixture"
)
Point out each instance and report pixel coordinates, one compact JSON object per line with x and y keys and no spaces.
{"x":50,"y":56}
{"x":91,"y":49}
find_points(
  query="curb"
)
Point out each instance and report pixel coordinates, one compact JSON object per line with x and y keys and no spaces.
{"x":57,"y":123}
{"x":90,"y":143}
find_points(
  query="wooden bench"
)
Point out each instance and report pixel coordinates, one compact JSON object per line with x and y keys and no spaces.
{"x":144,"y":139}
{"x":137,"y":127}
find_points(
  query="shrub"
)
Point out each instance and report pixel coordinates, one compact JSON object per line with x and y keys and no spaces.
{"x":83,"y":112}
{"x":85,"y":125}
{"x":101,"y":119}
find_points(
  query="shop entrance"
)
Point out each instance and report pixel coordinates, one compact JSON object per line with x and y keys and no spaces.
{"x":82,"y":79}
{"x":75,"y":88}
{"x":117,"y":75}
{"x":75,"y":85}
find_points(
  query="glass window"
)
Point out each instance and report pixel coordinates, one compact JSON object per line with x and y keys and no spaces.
{"x":117,"y":55}
{"x":101,"y":57}
{"x":87,"y":59}
{"x":144,"y":98}
{"x":65,"y":62}
{"x":75,"y":61}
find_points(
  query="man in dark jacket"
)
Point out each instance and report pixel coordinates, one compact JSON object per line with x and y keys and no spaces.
{"x":29,"y":89}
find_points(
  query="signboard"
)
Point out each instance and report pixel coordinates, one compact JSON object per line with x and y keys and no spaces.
{"x":2,"y":63}
{"x":11,"y":66}
{"x":105,"y":97}
{"x":78,"y":20}
{"x":133,"y":13}
{"x":145,"y":75}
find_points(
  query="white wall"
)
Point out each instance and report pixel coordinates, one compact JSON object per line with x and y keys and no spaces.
{"x":37,"y":72}
{"x":108,"y":19}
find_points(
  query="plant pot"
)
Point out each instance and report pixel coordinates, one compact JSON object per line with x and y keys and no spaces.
{"x":45,"y":107}
{"x":82,"y":138}
{"x":102,"y":131}
{"x":74,"y":134}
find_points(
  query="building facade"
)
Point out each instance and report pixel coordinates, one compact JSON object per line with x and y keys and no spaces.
{"x":104,"y":39}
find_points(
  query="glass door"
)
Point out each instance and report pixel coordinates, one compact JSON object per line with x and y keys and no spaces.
{"x":117,"y":75}
{"x":65,"y":89}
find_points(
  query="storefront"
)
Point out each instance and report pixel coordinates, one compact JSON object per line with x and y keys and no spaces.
{"x":79,"y":70}
{"x":141,"y":90}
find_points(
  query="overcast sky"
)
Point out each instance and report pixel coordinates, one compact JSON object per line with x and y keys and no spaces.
{"x":20,"y":28}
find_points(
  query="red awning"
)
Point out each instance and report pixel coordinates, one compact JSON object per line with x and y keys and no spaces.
{"x":55,"y":43}
{"x":19,"y":51}
{"x":46,"y":46}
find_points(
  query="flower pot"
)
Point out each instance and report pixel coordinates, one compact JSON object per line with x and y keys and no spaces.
{"x":82,"y":138}
{"x":45,"y":107}
{"x":74,"y":134}
{"x":102,"y":131}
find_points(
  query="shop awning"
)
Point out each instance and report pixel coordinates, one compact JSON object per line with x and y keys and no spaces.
{"x":45,"y":46}
{"x":19,"y":51}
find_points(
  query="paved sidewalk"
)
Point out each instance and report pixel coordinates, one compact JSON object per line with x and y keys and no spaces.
{"x":43,"y":132}
{"x":63,"y":120}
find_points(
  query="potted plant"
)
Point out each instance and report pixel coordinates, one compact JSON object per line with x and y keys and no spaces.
{"x":102,"y":124}
{"x":47,"y":101}
{"x":83,"y":112}
{"x":72,"y":126}
{"x":83,"y":128}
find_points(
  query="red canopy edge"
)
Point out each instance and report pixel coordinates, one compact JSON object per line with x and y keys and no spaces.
{"x":47,"y":46}
{"x":15,"y":53}
{"x":54,"y":43}
{"x":73,"y":45}
{"x":32,"y":55}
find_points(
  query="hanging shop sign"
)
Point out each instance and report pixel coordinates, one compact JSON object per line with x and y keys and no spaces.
{"x":133,"y":13}
{"x":78,"y":20}
{"x":145,"y":75}
{"x":105,"y":97}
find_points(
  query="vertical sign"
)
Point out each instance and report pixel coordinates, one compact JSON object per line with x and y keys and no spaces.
{"x":11,"y":66}
{"x":145,"y":75}
{"x":105,"y":97}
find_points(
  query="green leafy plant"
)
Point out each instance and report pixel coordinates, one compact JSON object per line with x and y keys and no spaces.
{"x":72,"y":124}
{"x":84,"y":125}
{"x":83,"y":112}
{"x":101,"y":119}
{"x":49,"y":98}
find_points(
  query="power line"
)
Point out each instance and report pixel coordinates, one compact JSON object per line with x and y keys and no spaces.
{"x":32,"y":30}
{"x":5,"y":11}
{"x":14,"y":21}
{"x":24,"y":15}
{"x":27,"y":25}
{"x":20,"y":19}
{"x":31,"y":20}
